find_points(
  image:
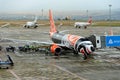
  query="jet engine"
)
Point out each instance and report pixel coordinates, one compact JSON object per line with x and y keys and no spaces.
{"x":86,"y":48}
{"x":55,"y":49}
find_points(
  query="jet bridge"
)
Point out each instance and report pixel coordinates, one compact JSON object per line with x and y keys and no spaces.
{"x":98,"y":41}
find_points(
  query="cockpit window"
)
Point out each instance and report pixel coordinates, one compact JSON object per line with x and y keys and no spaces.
{"x":87,"y":43}
{"x":84,"y":39}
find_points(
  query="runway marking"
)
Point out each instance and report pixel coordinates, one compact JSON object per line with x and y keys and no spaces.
{"x":63,"y":69}
{"x":14,"y":74}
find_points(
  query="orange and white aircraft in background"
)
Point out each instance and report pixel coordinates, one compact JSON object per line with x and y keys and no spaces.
{"x":31,"y":24}
{"x":83,"y":24}
{"x":76,"y":44}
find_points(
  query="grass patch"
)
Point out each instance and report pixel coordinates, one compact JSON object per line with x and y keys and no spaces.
{"x":64,"y":22}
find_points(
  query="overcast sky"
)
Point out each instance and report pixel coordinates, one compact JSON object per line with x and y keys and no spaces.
{"x":57,"y":5}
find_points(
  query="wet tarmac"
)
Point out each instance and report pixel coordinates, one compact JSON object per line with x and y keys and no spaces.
{"x":104,"y":64}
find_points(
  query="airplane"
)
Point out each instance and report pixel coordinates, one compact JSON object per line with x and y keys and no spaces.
{"x":62,"y":42}
{"x":83,"y":24}
{"x":75,"y":43}
{"x":31,"y":24}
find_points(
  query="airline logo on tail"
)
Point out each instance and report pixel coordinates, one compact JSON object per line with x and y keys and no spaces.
{"x":90,"y":20}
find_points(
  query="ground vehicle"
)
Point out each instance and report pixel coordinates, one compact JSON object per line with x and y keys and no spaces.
{"x":6,"y":64}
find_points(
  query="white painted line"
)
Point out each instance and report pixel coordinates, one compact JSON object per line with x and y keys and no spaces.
{"x":14,"y":74}
{"x":63,"y":69}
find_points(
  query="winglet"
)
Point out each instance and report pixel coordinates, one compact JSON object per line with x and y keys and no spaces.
{"x":52,"y":25}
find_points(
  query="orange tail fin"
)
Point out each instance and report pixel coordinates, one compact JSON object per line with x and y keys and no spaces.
{"x":90,"y":20}
{"x":52,"y":25}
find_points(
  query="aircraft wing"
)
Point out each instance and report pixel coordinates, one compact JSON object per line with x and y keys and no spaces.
{"x":30,"y":42}
{"x":41,"y":24}
{"x":5,"y":25}
{"x":23,"y":41}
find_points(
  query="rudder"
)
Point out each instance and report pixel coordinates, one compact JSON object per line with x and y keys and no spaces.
{"x":52,"y":25}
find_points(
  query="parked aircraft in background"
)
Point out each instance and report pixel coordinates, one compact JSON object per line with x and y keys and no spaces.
{"x":83,"y":24}
{"x":76,"y":44}
{"x":32,"y":24}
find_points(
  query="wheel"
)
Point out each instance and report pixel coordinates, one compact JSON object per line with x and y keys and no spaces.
{"x":36,"y":26}
{"x":75,"y":52}
{"x":0,"y":48}
{"x":85,"y":56}
{"x":85,"y":51}
{"x":7,"y":67}
{"x":85,"y":27}
{"x":76,"y":26}
{"x":25,"y":26}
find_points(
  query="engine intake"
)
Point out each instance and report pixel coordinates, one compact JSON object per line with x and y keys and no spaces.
{"x":55,"y":49}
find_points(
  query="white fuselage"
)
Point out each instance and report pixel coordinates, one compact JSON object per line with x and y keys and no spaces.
{"x":31,"y":24}
{"x":81,"y":24}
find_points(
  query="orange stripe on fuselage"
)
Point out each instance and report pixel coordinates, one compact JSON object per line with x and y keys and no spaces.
{"x":73,"y":38}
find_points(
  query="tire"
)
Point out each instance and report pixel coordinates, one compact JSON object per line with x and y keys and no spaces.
{"x":7,"y":67}
{"x":85,"y":27}
{"x":85,"y":56}
{"x":76,"y":26}
{"x":75,"y":53}
{"x":35,"y":26}
{"x":25,"y":26}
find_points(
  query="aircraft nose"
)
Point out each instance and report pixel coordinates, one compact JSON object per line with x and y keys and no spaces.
{"x":92,"y":49}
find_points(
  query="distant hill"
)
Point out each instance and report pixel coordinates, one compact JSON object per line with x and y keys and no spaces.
{"x":76,"y":15}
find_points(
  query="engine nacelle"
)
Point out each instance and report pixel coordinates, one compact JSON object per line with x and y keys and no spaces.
{"x":55,"y":49}
{"x":84,"y":46}
{"x":86,"y":49}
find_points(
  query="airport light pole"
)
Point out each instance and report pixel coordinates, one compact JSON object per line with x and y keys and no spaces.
{"x":42,"y":13}
{"x":87,"y":13}
{"x":111,"y":32}
{"x":110,"y":11}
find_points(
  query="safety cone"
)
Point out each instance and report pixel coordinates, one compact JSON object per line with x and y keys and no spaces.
{"x":105,"y":33}
{"x":111,"y":32}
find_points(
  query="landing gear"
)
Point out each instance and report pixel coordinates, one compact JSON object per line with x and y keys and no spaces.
{"x":85,"y":56}
{"x":75,"y":52}
{"x":28,"y":27}
{"x":36,"y":26}
{"x":85,"y":27}
{"x":57,"y":55}
{"x":25,"y":26}
{"x":77,"y":26}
